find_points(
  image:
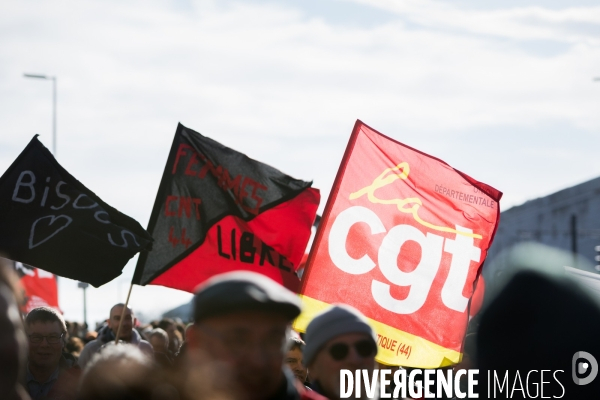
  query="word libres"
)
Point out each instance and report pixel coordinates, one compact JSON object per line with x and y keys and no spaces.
{"x":419,"y":280}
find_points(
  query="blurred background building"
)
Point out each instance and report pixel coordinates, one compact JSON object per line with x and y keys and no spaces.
{"x":567,"y":220}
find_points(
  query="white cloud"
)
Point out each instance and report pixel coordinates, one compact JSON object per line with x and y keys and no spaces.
{"x":520,"y":23}
{"x":501,"y":94}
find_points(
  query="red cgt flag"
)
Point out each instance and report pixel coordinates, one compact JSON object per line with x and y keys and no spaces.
{"x":403,"y":239}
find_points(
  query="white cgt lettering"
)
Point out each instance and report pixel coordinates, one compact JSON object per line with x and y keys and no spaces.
{"x":421,"y":278}
{"x":340,"y":229}
{"x":463,"y":252}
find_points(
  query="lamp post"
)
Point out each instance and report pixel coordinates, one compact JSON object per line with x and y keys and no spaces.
{"x":53,"y":79}
{"x":84,"y":286}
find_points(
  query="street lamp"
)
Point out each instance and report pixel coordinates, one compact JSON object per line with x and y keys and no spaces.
{"x":53,"y":79}
{"x":84,"y":286}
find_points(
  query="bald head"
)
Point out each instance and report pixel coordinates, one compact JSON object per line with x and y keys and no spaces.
{"x":119,"y":307}
{"x":116,"y":314}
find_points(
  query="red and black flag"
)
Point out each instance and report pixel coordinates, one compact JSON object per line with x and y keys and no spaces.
{"x":218,"y":210}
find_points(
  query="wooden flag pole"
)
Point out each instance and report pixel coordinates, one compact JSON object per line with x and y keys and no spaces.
{"x":123,"y":314}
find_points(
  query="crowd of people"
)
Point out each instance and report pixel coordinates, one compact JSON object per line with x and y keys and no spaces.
{"x":165,"y":336}
{"x":239,"y":345}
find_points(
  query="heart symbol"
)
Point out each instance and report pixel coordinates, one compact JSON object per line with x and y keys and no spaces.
{"x":55,"y":228}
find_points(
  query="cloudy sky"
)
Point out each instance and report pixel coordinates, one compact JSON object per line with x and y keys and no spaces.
{"x":502,"y":90}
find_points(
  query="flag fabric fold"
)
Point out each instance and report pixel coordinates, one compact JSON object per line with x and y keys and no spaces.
{"x":40,"y":287}
{"x":403,"y":238}
{"x":217,"y":210}
{"x":50,"y":220}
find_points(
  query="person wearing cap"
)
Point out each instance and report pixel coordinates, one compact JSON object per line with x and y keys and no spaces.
{"x":338,"y":338}
{"x":241,"y":322}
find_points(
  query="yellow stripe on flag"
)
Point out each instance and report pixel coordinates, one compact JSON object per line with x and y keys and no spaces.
{"x":402,"y":349}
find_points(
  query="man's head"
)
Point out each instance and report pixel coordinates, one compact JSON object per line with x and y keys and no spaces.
{"x":338,"y":338}
{"x":167,"y":325}
{"x":294,"y":358}
{"x":159,"y":340}
{"x":170,"y":327}
{"x":116,"y":313}
{"x":46,"y":331}
{"x":119,"y":372}
{"x":241,"y":320}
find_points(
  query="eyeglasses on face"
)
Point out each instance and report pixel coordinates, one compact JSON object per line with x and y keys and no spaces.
{"x":364,"y":348}
{"x":53,"y":338}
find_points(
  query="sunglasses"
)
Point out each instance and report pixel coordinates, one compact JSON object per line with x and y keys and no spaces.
{"x":364,"y":348}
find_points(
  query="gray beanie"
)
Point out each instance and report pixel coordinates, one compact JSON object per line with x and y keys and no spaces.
{"x":335,"y":321}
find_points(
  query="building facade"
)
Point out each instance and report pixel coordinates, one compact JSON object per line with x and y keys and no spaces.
{"x":568,"y":220}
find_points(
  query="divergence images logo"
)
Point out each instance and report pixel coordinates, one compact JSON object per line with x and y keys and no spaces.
{"x":581,"y":367}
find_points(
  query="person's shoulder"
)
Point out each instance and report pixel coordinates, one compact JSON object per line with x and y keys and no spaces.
{"x":92,"y":346}
{"x":145,"y":346}
{"x":68,"y":361}
{"x":66,"y":384}
{"x":88,"y":351}
{"x":308,"y":394}
{"x":72,"y":371}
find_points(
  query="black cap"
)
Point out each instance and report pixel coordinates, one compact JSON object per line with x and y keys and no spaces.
{"x":237,"y":291}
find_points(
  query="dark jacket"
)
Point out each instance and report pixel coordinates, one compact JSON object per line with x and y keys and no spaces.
{"x":106,"y":335}
{"x":65,"y":387}
{"x":292,"y":389}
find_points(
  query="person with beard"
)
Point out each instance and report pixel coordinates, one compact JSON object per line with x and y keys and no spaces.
{"x":107,"y":334}
{"x":241,"y":322}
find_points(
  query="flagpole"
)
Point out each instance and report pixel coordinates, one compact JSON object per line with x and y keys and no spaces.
{"x":123,"y":314}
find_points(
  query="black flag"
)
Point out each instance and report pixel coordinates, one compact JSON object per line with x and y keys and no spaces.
{"x":50,"y":220}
